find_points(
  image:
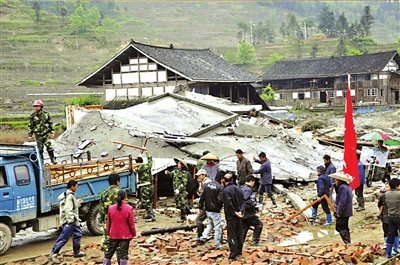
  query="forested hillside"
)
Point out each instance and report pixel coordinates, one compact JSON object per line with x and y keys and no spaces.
{"x":53,"y":44}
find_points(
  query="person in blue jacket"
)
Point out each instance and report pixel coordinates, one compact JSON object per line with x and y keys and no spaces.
{"x":266,"y":178}
{"x":323,"y":187}
{"x":360,"y":189}
{"x":343,"y":205}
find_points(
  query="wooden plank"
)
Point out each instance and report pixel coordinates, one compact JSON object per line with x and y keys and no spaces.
{"x":310,"y":205}
{"x":130,"y":145}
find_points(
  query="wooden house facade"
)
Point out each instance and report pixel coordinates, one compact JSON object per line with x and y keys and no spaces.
{"x":142,"y":70}
{"x":374,"y":78}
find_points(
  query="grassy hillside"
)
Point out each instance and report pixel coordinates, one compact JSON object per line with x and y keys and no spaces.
{"x":45,"y":57}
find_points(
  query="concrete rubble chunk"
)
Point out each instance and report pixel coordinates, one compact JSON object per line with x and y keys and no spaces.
{"x":78,"y":153}
{"x":82,"y":145}
{"x":247,"y":130}
{"x":104,"y":154}
{"x":298,"y":203}
{"x":93,"y":128}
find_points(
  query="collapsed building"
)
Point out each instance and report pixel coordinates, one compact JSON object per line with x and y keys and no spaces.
{"x":185,"y":125}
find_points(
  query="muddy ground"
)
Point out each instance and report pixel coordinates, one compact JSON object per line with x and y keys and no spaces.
{"x":365,"y":229}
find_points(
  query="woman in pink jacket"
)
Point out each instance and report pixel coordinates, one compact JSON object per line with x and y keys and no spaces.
{"x":121,"y":229}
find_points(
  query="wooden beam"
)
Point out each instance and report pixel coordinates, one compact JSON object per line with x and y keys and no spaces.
{"x":310,"y":205}
{"x":130,"y":145}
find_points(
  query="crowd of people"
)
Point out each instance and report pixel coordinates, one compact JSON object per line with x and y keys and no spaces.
{"x":236,"y":194}
{"x":217,"y":190}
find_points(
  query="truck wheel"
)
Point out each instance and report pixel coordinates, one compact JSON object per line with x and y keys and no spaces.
{"x":94,"y":225}
{"x":5,"y":238}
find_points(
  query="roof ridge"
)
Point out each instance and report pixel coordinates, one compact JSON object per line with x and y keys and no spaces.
{"x":333,"y":57}
{"x":133,"y":42}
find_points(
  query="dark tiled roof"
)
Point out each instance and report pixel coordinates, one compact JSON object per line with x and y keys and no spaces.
{"x":196,"y":64}
{"x":193,"y":64}
{"x":326,"y":67}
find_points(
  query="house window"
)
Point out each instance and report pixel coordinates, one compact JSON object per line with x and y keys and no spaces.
{"x":281,"y":96}
{"x":301,"y":95}
{"x":371,"y":92}
{"x":330,"y":93}
{"x":201,"y":90}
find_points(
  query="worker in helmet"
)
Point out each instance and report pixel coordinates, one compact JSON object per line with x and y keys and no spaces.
{"x":41,"y":127}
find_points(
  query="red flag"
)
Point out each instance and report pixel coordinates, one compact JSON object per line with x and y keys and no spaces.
{"x":350,"y":166}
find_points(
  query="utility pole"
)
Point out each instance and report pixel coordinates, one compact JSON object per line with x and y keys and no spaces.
{"x":305,"y":29}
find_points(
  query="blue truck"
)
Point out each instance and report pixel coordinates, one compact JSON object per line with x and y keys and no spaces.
{"x":29,"y":189}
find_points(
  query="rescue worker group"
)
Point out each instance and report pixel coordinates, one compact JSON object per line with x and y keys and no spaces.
{"x":215,"y":189}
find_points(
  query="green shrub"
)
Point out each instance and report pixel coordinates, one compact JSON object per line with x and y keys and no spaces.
{"x":28,"y":38}
{"x":28,"y":83}
{"x":313,"y":125}
{"x":85,"y":100}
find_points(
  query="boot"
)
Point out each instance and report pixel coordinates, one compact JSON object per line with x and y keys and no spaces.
{"x":389,"y":248}
{"x":360,"y":206}
{"x":77,"y":252}
{"x":53,"y":258}
{"x":313,"y":214}
{"x":183,"y":216}
{"x":52,"y":158}
{"x":273,"y":200}
{"x":328,"y":219}
{"x":395,"y":250}
{"x":106,"y":261}
{"x":150,"y":217}
{"x":123,"y":262}
{"x":345,"y":237}
{"x":260,"y":198}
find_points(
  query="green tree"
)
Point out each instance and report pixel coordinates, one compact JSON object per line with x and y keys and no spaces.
{"x":268,"y":93}
{"x":273,"y":58}
{"x":364,"y":44}
{"x":353,"y":52}
{"x":283,"y":30}
{"x":353,"y":31}
{"x":308,"y":24}
{"x":36,"y":7}
{"x":366,"y":21}
{"x":341,"y":49}
{"x":327,"y":22}
{"x":109,"y":29}
{"x":342,"y":25}
{"x":243,"y":32}
{"x":314,"y":49}
{"x":63,"y":14}
{"x":246,"y":52}
{"x":77,"y":20}
{"x":230,"y":56}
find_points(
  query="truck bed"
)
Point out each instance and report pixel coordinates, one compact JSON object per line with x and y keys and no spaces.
{"x":62,"y":173}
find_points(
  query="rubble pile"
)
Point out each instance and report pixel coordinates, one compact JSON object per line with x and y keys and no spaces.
{"x":185,"y":126}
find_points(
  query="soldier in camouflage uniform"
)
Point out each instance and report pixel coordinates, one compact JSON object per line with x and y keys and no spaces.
{"x":108,"y":198}
{"x":179,"y":181}
{"x":41,"y":126}
{"x":201,"y":162}
{"x":146,"y":192}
